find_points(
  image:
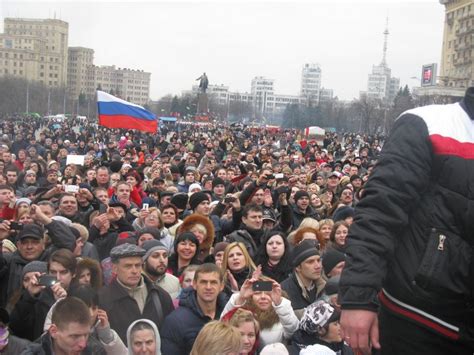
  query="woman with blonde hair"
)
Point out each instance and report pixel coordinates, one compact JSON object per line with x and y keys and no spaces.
{"x":151,"y":219}
{"x":245,"y":322}
{"x":217,"y":338}
{"x":325,"y":228}
{"x":273,"y":311}
{"x":237,"y":266}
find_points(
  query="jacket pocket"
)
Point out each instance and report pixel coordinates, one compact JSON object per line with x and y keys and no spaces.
{"x":445,"y":268}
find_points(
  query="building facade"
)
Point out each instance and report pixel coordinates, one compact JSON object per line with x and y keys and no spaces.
{"x":35,"y":49}
{"x":457,"y":67}
{"x":381,"y":85}
{"x":311,"y":82}
{"x":80,"y":72}
{"x":128,"y":84}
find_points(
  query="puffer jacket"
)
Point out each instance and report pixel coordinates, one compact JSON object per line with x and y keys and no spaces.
{"x":413,"y":232}
{"x":182,"y":326}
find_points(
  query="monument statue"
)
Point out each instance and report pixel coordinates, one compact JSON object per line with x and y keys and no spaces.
{"x":203,"y":83}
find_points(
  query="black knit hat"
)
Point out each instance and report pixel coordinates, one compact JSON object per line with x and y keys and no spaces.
{"x":303,"y":251}
{"x":217,"y":181}
{"x":180,"y":200}
{"x":331,"y":258}
{"x":196,"y":198}
{"x":342,"y":213}
{"x":300,"y":194}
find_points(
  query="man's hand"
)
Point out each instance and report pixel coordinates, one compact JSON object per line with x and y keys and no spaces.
{"x":360,"y":330}
{"x":38,"y":215}
{"x":4,"y":229}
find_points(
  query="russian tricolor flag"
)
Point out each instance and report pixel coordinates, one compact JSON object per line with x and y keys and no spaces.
{"x":118,"y":113}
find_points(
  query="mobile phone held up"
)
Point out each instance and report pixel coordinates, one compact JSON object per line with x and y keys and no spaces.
{"x":260,"y":286}
{"x":47,"y":280}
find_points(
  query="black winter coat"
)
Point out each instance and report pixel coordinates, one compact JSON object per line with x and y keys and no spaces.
{"x":11,"y":265}
{"x":122,"y":309}
{"x":183,"y":325}
{"x":413,"y":231}
{"x":44,"y":346}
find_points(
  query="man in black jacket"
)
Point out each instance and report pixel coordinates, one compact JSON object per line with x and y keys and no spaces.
{"x":31,"y":246}
{"x":305,"y":284}
{"x":132,"y":296}
{"x":410,"y":248}
{"x":68,"y":333}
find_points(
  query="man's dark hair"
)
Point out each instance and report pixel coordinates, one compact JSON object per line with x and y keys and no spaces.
{"x":6,"y":187}
{"x":64,"y":195}
{"x":86,"y":294}
{"x":209,"y":268}
{"x":64,"y":257}
{"x":70,"y":310}
{"x":12,"y":168}
{"x":251,"y":208}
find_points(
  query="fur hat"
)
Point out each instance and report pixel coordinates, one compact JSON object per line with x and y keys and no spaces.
{"x":180,"y":200}
{"x":193,"y":219}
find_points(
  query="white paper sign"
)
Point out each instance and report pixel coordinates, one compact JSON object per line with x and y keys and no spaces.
{"x":75,"y":159}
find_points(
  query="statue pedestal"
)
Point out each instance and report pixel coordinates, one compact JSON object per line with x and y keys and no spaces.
{"x":203,"y":104}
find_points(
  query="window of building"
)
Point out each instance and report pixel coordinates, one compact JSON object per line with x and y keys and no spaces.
{"x":21,"y":72}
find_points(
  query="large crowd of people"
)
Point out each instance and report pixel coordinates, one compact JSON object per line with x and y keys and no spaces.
{"x":218,"y":239}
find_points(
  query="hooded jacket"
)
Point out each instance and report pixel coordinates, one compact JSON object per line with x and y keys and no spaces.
{"x":183,"y":325}
{"x":413,"y":231}
{"x":155,"y":330}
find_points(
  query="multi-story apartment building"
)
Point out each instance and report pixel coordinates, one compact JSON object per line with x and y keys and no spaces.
{"x":35,"y":49}
{"x":457,"y":67}
{"x":129,"y":84}
{"x":311,"y":82}
{"x":80,"y":72}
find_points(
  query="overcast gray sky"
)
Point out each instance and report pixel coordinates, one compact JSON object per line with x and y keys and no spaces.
{"x":235,"y":41}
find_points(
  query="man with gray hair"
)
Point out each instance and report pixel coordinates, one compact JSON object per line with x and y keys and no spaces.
{"x":130,"y":296}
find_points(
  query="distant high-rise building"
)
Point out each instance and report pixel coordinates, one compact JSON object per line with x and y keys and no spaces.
{"x":457,"y":67}
{"x":381,"y":85}
{"x":261,"y":89}
{"x":311,"y":82}
{"x":80,"y":72}
{"x":35,"y":49}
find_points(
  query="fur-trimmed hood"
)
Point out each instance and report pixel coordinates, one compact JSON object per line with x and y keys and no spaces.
{"x":194,"y":219}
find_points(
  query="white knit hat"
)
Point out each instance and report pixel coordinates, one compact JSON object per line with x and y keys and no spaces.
{"x":274,"y":349}
{"x":317,"y":349}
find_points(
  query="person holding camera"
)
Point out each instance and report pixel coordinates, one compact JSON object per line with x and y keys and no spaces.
{"x":31,"y":246}
{"x":263,"y":296}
